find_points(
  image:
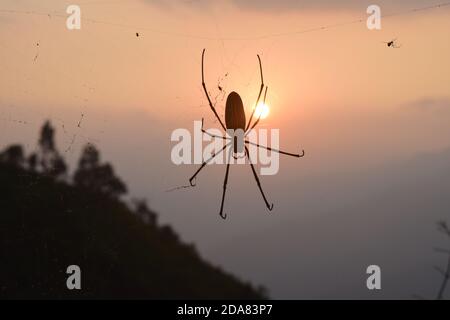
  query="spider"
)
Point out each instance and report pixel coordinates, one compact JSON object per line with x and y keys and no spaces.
{"x":234,"y":126}
{"x":393,"y":44}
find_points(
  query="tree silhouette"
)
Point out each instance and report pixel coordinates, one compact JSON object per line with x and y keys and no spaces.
{"x":445,"y":229}
{"x":13,"y":155}
{"x":445,"y":273}
{"x":93,"y":175}
{"x":48,"y":158}
{"x":46,"y":141}
{"x":32,"y":162}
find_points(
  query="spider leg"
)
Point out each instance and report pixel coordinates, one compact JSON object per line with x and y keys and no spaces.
{"x":269,"y":206}
{"x":213,"y":135}
{"x":205,"y":163}
{"x":225,"y":182}
{"x":259,"y":117}
{"x":207,"y":95}
{"x":259,"y":95}
{"x":276,"y":150}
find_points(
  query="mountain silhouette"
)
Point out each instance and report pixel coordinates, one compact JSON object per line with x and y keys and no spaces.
{"x":48,"y":224}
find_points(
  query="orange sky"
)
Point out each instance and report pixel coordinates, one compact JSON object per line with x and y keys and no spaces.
{"x":332,"y":92}
{"x":344,"y":74}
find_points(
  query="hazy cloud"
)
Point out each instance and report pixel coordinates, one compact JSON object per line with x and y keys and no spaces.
{"x":430,"y":104}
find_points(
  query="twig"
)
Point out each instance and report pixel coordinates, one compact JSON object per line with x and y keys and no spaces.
{"x":443,"y":227}
{"x":446,"y":276}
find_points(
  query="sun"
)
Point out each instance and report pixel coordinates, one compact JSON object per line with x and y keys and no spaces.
{"x":262,"y":110}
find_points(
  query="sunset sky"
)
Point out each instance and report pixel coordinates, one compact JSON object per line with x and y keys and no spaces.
{"x":373,"y":121}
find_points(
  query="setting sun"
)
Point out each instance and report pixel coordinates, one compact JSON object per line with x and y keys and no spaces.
{"x":262,"y":110}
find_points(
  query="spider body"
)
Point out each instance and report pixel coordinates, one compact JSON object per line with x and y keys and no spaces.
{"x":235,"y":120}
{"x":237,"y":129}
{"x":234,"y":112}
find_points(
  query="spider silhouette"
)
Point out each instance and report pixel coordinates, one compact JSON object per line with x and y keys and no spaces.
{"x":237,"y":129}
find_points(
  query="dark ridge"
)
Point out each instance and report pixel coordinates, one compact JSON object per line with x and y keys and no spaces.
{"x":46,"y":225}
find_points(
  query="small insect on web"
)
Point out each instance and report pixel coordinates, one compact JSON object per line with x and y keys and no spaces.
{"x":393,"y":44}
{"x":235,"y":120}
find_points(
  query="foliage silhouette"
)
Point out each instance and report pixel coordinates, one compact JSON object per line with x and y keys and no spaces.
{"x":48,"y":160}
{"x":13,"y":156}
{"x":97,"y":177}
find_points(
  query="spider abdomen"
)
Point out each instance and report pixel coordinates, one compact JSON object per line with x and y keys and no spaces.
{"x":234,"y":112}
